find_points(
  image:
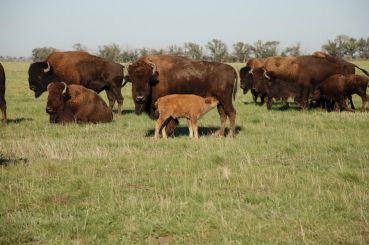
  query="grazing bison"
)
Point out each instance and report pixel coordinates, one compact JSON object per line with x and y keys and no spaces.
{"x":306,"y":72}
{"x":2,"y":93}
{"x":187,"y":106}
{"x":155,"y":76}
{"x":247,"y":81}
{"x":80,"y":68}
{"x":337,"y":87}
{"x":75,"y":103}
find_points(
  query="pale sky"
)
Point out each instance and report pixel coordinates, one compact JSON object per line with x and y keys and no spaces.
{"x":29,"y":24}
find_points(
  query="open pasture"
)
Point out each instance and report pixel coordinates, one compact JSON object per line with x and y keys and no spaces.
{"x":287,"y":177}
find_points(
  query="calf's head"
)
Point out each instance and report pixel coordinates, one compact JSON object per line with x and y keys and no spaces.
{"x":40,"y":74}
{"x":143,"y":75}
{"x":58,"y":95}
{"x":211,"y":101}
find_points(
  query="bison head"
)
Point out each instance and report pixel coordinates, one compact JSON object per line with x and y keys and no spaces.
{"x":58,"y":94}
{"x":143,"y":75}
{"x":40,"y":74}
{"x":260,"y":79}
{"x":246,"y":79}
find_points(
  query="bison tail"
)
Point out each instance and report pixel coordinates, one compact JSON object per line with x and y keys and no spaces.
{"x":235,"y":85}
{"x":363,"y":70}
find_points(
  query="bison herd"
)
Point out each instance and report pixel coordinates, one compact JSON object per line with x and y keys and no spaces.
{"x":170,"y":87}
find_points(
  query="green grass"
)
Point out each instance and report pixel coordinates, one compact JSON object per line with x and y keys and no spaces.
{"x":287,"y":177}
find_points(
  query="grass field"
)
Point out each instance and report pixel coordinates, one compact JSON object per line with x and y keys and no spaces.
{"x":288,"y":177}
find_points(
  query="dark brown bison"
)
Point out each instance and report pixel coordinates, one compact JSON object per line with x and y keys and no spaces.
{"x":158,"y":75}
{"x":2,"y":93}
{"x":305,"y":72}
{"x":81,"y":68}
{"x":247,"y":81}
{"x":337,"y":87}
{"x":75,"y":103}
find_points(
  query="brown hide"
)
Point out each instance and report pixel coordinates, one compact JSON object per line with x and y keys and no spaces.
{"x":76,"y":104}
{"x":337,"y":87}
{"x":187,"y":106}
{"x":2,"y":93}
{"x":159,"y":75}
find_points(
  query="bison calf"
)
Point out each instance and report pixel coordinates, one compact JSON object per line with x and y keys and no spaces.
{"x":187,"y":106}
{"x":75,"y":103}
{"x":337,"y":87}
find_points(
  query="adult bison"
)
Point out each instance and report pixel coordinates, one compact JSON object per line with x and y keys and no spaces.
{"x":247,"y":81}
{"x":2,"y":93}
{"x":305,"y":72}
{"x":81,"y":68}
{"x":155,"y":76}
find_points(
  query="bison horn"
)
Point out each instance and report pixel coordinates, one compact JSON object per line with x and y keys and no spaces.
{"x":65,"y":88}
{"x":153,"y":67}
{"x":48,"y":67}
{"x":266,"y":75}
{"x":252,"y":69}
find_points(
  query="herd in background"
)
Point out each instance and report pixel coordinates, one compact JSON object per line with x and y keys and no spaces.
{"x":169,"y":87}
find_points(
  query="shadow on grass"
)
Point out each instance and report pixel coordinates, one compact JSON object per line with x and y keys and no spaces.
{"x":203,"y":131}
{"x":19,"y":120}
{"x":115,"y":111}
{"x":5,"y":161}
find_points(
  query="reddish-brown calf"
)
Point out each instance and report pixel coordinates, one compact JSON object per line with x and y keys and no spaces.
{"x":187,"y":106}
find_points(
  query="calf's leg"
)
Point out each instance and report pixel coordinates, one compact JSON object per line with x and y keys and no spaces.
{"x":158,"y":125}
{"x":190,"y":129}
{"x":194,"y":127}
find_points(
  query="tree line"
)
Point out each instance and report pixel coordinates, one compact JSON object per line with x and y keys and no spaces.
{"x":216,"y":50}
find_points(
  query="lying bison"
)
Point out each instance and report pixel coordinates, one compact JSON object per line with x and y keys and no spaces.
{"x":337,"y":87}
{"x":81,"y":68}
{"x":2,"y":93}
{"x":305,"y":72}
{"x":75,"y":103}
{"x":188,"y":106}
{"x":158,"y":75}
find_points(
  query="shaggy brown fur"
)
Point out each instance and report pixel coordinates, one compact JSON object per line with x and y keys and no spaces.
{"x":306,"y":72}
{"x":247,"y":81}
{"x":2,"y":93}
{"x":75,"y":103}
{"x":159,"y":75}
{"x":187,"y":106}
{"x":337,"y":87}
{"x":81,"y":68}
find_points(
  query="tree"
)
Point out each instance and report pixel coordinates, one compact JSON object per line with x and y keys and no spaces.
{"x":267,"y":49}
{"x":341,"y":46}
{"x":175,"y":50}
{"x":242,"y":51}
{"x":110,"y":52}
{"x":41,"y":54}
{"x":129,"y":55}
{"x":218,"y":50}
{"x":363,"y":48}
{"x":193,"y":50}
{"x":292,"y":51}
{"x":79,"y":47}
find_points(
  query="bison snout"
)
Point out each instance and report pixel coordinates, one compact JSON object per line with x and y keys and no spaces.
{"x":140,"y":99}
{"x":49,"y":110}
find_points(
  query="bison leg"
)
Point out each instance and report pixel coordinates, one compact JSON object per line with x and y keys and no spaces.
{"x":269,"y":103}
{"x":3,"y":110}
{"x":170,"y":126}
{"x":262,"y":99}
{"x":364,"y":99}
{"x":195,"y":130}
{"x":118,"y":96}
{"x":111,"y":99}
{"x":190,"y":129}
{"x":158,"y":126}
{"x":351,"y":103}
{"x":223,"y":119}
{"x":231,"y":113}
